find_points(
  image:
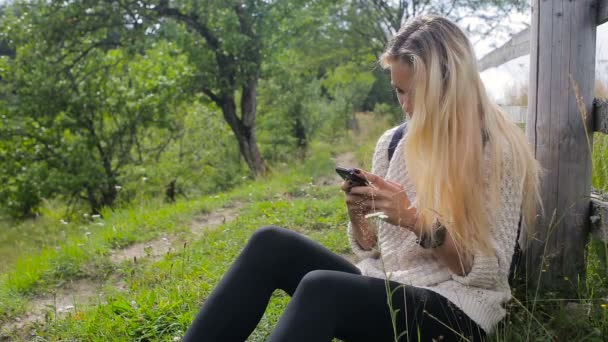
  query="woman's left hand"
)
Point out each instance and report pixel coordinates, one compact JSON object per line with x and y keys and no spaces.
{"x":385,"y":196}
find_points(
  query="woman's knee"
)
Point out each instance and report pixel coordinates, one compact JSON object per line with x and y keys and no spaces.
{"x":272,"y":245}
{"x":267,"y":235}
{"x":320,"y":282}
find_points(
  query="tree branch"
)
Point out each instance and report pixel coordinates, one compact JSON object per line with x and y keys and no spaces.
{"x":452,"y":6}
{"x":244,"y":23}
{"x":212,"y":96}
{"x":192,"y":20}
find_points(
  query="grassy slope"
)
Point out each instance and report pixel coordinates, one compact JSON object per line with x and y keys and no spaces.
{"x":162,"y":296}
{"x":168,"y":292}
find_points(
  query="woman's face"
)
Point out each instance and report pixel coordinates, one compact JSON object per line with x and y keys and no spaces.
{"x":402,"y":81}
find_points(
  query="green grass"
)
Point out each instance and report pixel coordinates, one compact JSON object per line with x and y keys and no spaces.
{"x":162,"y":296}
{"x":168,"y":292}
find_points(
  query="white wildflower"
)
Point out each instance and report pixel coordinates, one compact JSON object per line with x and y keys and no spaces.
{"x":63,"y":221}
{"x":379,"y":214}
{"x":96,"y":216}
{"x":117,"y":187}
{"x":143,"y":179}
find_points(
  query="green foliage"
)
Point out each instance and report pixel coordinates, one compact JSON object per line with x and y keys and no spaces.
{"x":289,"y":121}
{"x":381,"y":91}
{"x":600,"y":162}
{"x":76,"y":119}
{"x":394,"y":114}
{"x":91,"y":90}
{"x":348,"y":86}
{"x":198,"y":155}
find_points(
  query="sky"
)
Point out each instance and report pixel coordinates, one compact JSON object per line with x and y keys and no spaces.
{"x":500,"y":80}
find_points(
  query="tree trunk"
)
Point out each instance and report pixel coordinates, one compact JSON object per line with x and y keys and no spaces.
{"x":231,"y":68}
{"x":562,"y":63}
{"x":299,"y":132}
{"x":93,"y":202}
{"x":108,"y":195}
{"x":244,"y":130}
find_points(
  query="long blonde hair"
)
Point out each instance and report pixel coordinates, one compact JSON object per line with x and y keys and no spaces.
{"x":452,"y":120}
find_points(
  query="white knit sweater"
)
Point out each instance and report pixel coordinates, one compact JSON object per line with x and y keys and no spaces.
{"x":481,"y":293}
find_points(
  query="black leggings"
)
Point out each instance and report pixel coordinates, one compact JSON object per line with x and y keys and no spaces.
{"x":330,"y":298}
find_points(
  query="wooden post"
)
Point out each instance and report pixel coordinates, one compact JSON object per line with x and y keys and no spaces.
{"x":562,"y":46}
{"x":602,"y":12}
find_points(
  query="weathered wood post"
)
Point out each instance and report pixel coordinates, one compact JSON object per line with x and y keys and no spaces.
{"x":562,"y":46}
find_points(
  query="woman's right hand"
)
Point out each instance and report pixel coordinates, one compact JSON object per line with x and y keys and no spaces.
{"x":366,"y":237}
{"x":356,"y":211}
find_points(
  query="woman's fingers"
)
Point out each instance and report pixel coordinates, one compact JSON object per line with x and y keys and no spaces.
{"x":395,"y":184}
{"x":396,"y":187}
{"x":360,"y":202}
{"x":373,"y":179}
{"x":346,"y":186}
{"x":366,"y":199}
{"x":365,"y":191}
{"x":353,"y":199}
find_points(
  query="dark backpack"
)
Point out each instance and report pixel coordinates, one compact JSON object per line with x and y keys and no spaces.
{"x":515,"y":260}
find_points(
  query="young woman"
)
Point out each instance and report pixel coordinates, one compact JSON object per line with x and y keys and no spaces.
{"x":451,"y":199}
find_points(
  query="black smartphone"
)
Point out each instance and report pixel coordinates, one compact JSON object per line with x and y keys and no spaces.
{"x":349,"y":174}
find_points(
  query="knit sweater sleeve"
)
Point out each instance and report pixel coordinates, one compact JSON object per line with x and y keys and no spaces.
{"x":379,"y":167}
{"x":490,"y":269}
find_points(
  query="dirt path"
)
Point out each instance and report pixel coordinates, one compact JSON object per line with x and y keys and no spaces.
{"x":68,"y":297}
{"x":167,"y":243}
{"x":347,"y":159}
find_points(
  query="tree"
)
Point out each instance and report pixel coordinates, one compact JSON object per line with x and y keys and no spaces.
{"x":237,"y":51}
{"x":226,"y":41}
{"x":371,"y":23}
{"x":348,"y":85}
{"x":78,"y":112}
{"x":238,"y":35}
